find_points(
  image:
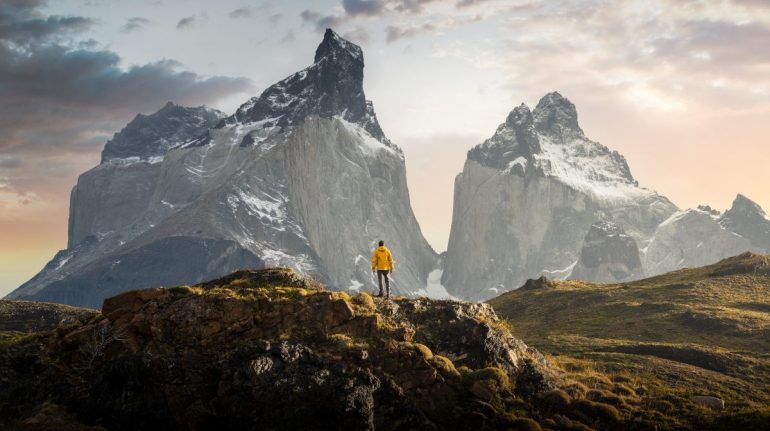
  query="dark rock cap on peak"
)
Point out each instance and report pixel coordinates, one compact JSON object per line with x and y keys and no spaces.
{"x":333,"y":45}
{"x":555,"y":114}
{"x":520,"y":117}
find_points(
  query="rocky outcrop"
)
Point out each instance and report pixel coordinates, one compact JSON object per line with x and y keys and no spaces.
{"x":204,"y":356}
{"x":301,"y":176}
{"x":30,"y":316}
{"x":528,"y":196}
{"x":609,"y":255}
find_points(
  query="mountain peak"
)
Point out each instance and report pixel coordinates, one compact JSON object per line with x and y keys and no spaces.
{"x":743,"y":204}
{"x":520,"y":117}
{"x":556,"y":115}
{"x":336,"y":47}
{"x":331,"y":87}
{"x":748,"y":219}
{"x":152,"y":135}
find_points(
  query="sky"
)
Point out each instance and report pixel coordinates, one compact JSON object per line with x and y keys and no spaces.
{"x":680,"y":87}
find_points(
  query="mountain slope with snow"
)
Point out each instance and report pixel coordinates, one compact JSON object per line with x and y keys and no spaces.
{"x":301,"y":176}
{"x":528,"y":195}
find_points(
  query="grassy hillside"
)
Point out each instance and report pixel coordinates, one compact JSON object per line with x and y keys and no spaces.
{"x":693,"y":332}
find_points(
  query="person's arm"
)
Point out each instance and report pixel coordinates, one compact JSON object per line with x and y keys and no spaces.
{"x":390,"y":260}
{"x":374,"y":260}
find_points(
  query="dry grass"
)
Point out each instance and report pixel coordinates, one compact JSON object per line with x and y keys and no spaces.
{"x":647,"y":347}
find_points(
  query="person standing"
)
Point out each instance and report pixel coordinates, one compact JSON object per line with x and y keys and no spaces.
{"x":382,"y":263}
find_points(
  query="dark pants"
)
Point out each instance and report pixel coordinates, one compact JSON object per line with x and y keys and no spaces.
{"x":380,"y":274}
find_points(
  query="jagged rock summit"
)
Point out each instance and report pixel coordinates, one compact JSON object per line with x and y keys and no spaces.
{"x":332,"y":86}
{"x":206,"y":356}
{"x":151,"y":136}
{"x":528,"y":196}
{"x":301,"y":176}
{"x":749,"y":220}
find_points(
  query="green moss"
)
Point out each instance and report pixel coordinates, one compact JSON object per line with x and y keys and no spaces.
{"x":9,"y":338}
{"x":490,"y":373}
{"x":444,"y":366}
{"x":464,"y":370}
{"x":181,"y":290}
{"x":424,"y":351}
{"x":365,"y":301}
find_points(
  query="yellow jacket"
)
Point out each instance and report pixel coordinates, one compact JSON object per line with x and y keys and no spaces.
{"x":382,"y":259}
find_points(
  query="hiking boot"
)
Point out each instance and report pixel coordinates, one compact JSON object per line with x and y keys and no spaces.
{"x":379,"y":295}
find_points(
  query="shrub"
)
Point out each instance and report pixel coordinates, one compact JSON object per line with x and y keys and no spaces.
{"x":624,"y":390}
{"x":525,"y":424}
{"x":599,"y":411}
{"x":576,"y":389}
{"x":598,"y":381}
{"x":555,"y":400}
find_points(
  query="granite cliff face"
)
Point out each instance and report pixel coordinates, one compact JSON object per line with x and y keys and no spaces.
{"x":528,"y":195}
{"x":301,"y":176}
{"x":608,"y":255}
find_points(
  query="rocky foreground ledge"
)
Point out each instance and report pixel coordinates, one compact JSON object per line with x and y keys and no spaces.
{"x":268,"y":349}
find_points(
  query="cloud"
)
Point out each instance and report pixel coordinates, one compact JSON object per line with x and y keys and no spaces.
{"x":134,"y":24}
{"x":363,"y":7}
{"x":191,"y":21}
{"x":241,"y":12}
{"x":409,"y":6}
{"x":467,"y":3}
{"x":288,"y":37}
{"x":9,"y":161}
{"x":251,"y":11}
{"x":320,"y":22}
{"x":275,"y":18}
{"x":62,"y":98}
{"x":358,"y":35}
{"x":21,"y":25}
{"x":394,"y":33}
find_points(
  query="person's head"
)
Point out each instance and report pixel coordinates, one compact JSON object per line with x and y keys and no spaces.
{"x":382,"y":243}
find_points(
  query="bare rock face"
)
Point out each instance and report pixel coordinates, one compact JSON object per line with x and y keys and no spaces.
{"x":301,"y":176}
{"x":609,"y":255}
{"x":528,"y":196}
{"x":691,"y":238}
{"x":269,"y":349}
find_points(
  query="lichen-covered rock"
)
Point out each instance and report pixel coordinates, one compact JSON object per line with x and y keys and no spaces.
{"x":268,"y":349}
